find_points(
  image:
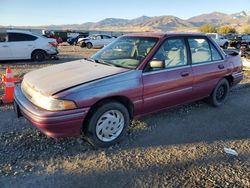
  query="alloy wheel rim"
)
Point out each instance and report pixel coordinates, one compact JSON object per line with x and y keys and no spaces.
{"x":39,"y":56}
{"x":110,"y":125}
{"x":221,"y":93}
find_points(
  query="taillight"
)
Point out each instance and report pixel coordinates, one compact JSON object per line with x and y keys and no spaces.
{"x":54,"y":44}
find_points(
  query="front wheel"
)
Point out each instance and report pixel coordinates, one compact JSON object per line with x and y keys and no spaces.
{"x":220,"y":93}
{"x":82,"y":44}
{"x":107,"y":124}
{"x":89,"y":45}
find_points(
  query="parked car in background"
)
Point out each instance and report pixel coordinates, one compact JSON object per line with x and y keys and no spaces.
{"x":240,"y":40}
{"x":137,"y":74}
{"x":17,"y":44}
{"x":235,"y":42}
{"x":95,"y":41}
{"x":51,"y":34}
{"x":219,"y":39}
{"x":75,"y":40}
{"x":72,"y":40}
{"x":58,"y":39}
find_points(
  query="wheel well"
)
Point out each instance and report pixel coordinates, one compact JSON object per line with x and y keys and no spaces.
{"x":37,"y":50}
{"x":121,"y":99}
{"x":230,"y":79}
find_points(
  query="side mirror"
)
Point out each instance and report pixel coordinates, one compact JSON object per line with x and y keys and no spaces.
{"x":156,"y":64}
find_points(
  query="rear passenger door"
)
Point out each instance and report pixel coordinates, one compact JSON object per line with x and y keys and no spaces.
{"x":171,"y":84}
{"x":21,"y":45}
{"x":208,"y":66}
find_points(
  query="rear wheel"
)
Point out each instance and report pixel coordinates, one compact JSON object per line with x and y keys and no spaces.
{"x":82,"y":44}
{"x":220,"y":93}
{"x":107,"y":124}
{"x":39,"y":55}
{"x":89,"y":45}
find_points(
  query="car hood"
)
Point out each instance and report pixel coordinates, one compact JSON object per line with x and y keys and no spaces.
{"x":53,"y":79}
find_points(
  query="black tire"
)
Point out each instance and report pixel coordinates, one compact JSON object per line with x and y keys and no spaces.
{"x":89,"y":45}
{"x":225,"y":46}
{"x":238,"y":45}
{"x":91,"y":124}
{"x":39,"y":55}
{"x":220,"y":93}
{"x":82,"y":45}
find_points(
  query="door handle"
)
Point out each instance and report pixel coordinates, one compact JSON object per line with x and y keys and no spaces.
{"x":221,"y":66}
{"x":30,"y":45}
{"x":184,"y":74}
{"x":5,"y":46}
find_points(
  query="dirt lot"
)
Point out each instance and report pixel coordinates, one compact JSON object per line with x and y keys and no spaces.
{"x":181,"y":147}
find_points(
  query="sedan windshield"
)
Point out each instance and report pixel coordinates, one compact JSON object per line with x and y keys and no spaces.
{"x":127,"y":52}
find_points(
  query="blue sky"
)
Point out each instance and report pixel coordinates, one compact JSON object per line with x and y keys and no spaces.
{"x":46,"y":12}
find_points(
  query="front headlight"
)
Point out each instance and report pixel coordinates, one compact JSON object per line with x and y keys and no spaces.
{"x":46,"y":102}
{"x":52,"y":104}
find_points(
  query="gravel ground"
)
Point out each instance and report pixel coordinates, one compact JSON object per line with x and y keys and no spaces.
{"x":180,"y":147}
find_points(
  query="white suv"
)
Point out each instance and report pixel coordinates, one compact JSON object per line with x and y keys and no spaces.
{"x":17,"y":44}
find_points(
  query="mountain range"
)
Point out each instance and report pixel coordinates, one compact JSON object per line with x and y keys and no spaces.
{"x":158,"y":23}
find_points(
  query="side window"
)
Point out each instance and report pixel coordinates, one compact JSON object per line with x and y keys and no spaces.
{"x":3,"y":37}
{"x":98,"y":37}
{"x":17,"y":37}
{"x":243,"y":37}
{"x":215,"y":54}
{"x":200,"y":50}
{"x":173,"y":53}
{"x":106,"y":37}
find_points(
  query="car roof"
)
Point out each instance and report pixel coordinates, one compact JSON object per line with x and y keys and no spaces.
{"x":161,"y":35}
{"x":18,"y":31}
{"x":100,"y":35}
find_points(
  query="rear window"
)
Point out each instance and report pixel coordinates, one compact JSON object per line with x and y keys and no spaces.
{"x":16,"y":37}
{"x":203,"y":51}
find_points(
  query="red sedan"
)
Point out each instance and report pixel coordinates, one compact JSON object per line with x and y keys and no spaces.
{"x":135,"y":75}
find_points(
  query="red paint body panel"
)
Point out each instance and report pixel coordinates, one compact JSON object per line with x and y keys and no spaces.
{"x":53,"y":124}
{"x":166,"y":88}
{"x":147,"y":91}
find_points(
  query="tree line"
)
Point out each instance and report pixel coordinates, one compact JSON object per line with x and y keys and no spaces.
{"x":208,"y":28}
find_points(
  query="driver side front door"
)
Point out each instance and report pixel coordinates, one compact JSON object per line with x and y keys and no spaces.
{"x":171,"y":85}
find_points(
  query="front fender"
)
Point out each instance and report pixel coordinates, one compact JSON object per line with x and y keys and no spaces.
{"x":128,"y":84}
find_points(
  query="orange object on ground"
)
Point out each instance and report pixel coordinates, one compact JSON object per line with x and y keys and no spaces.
{"x":9,"y":82}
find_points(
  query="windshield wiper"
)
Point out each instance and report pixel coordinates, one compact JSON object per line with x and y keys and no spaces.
{"x":115,"y":65}
{"x":89,"y":59}
{"x":103,"y":62}
{"x":106,"y":63}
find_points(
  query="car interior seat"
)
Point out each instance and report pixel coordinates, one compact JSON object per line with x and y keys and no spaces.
{"x":200,"y":52}
{"x":175,"y":54}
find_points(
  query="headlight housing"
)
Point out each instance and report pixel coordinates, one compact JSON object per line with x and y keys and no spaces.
{"x":46,"y":102}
